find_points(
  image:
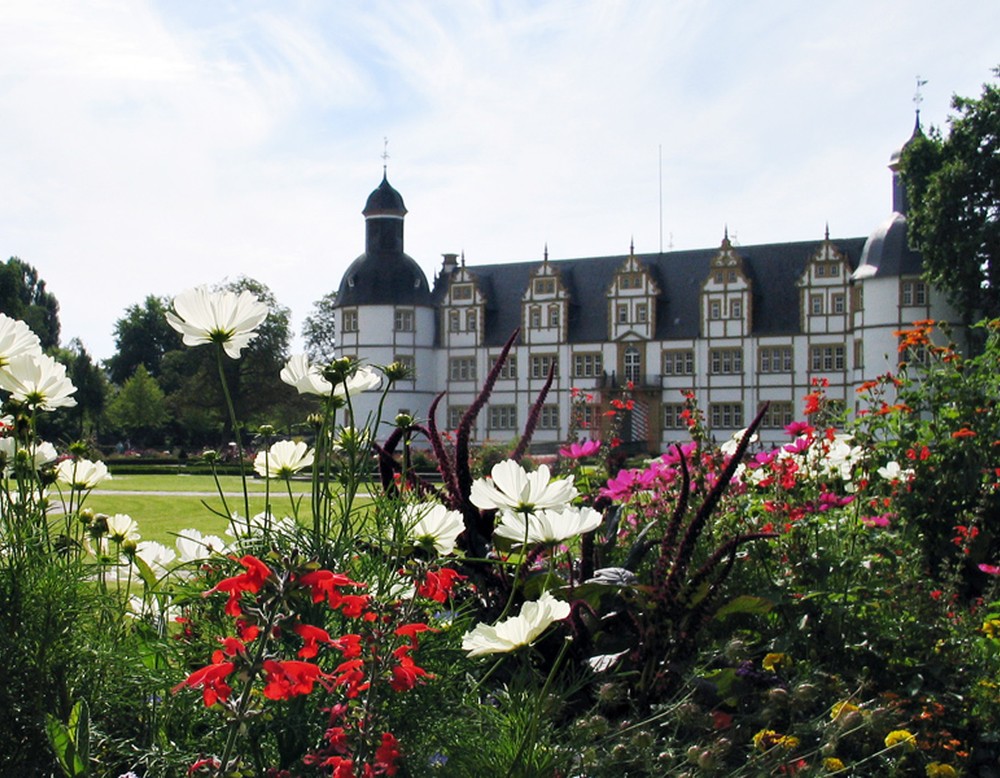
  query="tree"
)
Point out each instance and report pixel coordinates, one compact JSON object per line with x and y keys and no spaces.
{"x":83,"y":420}
{"x":23,"y":296}
{"x":142,"y":337}
{"x":318,"y":330}
{"x":953,"y":189}
{"x":139,"y":409}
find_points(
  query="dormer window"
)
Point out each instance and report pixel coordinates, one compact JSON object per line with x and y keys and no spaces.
{"x":461,"y":292}
{"x":641,"y":313}
{"x":735,"y":309}
{"x":553,"y":315}
{"x":535,"y":317}
{"x":545,"y":286}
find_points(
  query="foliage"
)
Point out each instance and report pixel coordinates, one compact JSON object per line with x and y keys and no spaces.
{"x":826,"y":605}
{"x":138,"y":410}
{"x":142,"y":337}
{"x":953,"y":187}
{"x":23,"y":296}
{"x":318,"y":330}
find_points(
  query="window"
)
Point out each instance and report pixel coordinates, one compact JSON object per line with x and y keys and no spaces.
{"x":679,"y":362}
{"x":586,"y":416}
{"x":816,"y":305}
{"x":621,"y":315}
{"x":779,"y":414}
{"x":553,"y":315}
{"x":632,"y":364}
{"x":735,"y":309}
{"x":718,"y":277}
{"x":859,"y":354}
{"x":857,"y":297}
{"x":349,"y":320}
{"x":455,"y":414}
{"x":461,"y":292}
{"x":470,"y":321}
{"x":545,"y":286}
{"x":726,"y":361}
{"x":826,"y":358}
{"x":587,"y":365}
{"x":820,"y":270}
{"x":408,"y":363}
{"x":462,"y":368}
{"x":403,"y":320}
{"x":535,"y":317}
{"x":913,"y":293}
{"x":839,"y":303}
{"x":673,"y":416}
{"x":727,"y":416}
{"x":641,"y":313}
{"x":503,"y":417}
{"x":508,"y":369}
{"x":774,"y":359}
{"x":540,"y":364}
{"x":834,"y":271}
{"x":454,"y":321}
{"x":715,"y":309}
{"x":548,"y":419}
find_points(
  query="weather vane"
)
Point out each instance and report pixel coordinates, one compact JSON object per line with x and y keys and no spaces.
{"x":385,"y":154}
{"x":918,"y":98}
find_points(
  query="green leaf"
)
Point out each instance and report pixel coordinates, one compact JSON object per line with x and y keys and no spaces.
{"x":745,"y":603}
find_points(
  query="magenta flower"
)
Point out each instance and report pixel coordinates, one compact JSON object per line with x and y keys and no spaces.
{"x":990,"y":569}
{"x":580,"y":450}
{"x":881,"y":521}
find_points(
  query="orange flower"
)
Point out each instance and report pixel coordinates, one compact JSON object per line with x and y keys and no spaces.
{"x":964,"y":432}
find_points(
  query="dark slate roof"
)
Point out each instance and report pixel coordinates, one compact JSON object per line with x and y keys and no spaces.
{"x":387,"y":278}
{"x":774,"y":270}
{"x":384,"y":200}
{"x":887,"y":251}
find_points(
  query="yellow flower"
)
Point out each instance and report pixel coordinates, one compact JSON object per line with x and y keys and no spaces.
{"x":900,"y":737}
{"x":831,"y":764}
{"x":767,"y":739}
{"x":991,"y":628}
{"x":773,"y":661}
{"x":940,"y":770}
{"x":841,"y":709}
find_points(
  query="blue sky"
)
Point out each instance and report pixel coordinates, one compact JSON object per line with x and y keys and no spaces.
{"x":147,"y":146}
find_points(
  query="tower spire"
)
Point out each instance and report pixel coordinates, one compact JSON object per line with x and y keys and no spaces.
{"x":385,"y":156}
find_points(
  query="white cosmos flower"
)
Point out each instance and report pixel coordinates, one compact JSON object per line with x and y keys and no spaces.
{"x":431,"y":524}
{"x":729,"y":447}
{"x":363,"y":379}
{"x":517,"y":631}
{"x":37,"y":380}
{"x":283,"y":459}
{"x":156,"y":555}
{"x":122,"y":527}
{"x":16,"y":339}
{"x":192,"y":545}
{"x":81,"y":473}
{"x":40,"y":455}
{"x":512,"y":488}
{"x":547,"y":526}
{"x":305,"y":377}
{"x":231,"y":319}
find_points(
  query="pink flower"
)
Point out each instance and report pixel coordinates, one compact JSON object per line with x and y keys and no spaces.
{"x":990,"y":569}
{"x":580,"y":450}
{"x":881,"y":521}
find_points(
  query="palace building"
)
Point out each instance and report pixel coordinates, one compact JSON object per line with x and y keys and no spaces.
{"x":736,"y":325}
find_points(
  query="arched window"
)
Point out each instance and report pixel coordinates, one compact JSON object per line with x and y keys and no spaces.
{"x":632,"y":364}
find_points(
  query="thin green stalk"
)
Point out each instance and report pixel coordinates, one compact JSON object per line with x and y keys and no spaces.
{"x":236,"y":430}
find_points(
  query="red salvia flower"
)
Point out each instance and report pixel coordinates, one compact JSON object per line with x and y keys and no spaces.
{"x":211,"y":679}
{"x":290,"y":678}
{"x":311,"y":638}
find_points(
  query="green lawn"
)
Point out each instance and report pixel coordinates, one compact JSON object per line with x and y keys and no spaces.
{"x":168,"y":504}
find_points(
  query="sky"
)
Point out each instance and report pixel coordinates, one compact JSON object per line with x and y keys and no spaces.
{"x":148,"y":146}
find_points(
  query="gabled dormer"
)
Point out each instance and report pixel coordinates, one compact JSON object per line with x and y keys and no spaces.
{"x":824,"y":299}
{"x":463,"y":308}
{"x":544,"y":305}
{"x":726,"y":295}
{"x":632,"y":301}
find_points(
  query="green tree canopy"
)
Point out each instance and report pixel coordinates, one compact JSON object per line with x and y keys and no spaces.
{"x":142,"y":337}
{"x":23,"y":296}
{"x":318,"y":330}
{"x":139,"y":409}
{"x":953,"y":189}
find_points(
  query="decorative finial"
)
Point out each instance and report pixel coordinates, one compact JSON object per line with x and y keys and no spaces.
{"x":385,"y":154}
{"x":827,"y":233}
{"x":631,"y":246}
{"x":725,"y":235}
{"x":463,"y":257}
{"x":545,"y":256}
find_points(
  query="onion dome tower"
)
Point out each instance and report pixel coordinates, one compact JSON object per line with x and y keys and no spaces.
{"x":384,"y":275}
